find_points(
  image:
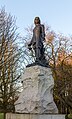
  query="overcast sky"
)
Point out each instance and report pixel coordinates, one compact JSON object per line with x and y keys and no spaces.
{"x":56,"y":13}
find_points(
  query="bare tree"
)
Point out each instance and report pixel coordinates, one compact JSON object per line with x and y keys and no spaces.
{"x":12,"y":61}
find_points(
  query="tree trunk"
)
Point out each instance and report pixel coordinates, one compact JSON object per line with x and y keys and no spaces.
{"x":4,"y":115}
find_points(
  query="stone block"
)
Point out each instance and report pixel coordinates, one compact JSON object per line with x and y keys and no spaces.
{"x":37,"y":94}
{"x":34,"y":116}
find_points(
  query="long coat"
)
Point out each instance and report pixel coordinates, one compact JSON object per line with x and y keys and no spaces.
{"x":38,"y":36}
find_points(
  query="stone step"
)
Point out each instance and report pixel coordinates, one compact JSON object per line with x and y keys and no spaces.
{"x":34,"y":116}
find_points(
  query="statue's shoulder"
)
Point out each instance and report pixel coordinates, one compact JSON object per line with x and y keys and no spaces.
{"x":42,"y":26}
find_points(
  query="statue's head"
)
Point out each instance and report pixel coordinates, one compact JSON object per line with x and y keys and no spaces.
{"x":37,"y":20}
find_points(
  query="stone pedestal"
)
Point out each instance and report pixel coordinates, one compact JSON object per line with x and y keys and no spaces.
{"x":37,"y":94}
{"x":34,"y":116}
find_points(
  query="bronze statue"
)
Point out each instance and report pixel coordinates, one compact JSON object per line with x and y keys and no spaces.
{"x":37,"y":42}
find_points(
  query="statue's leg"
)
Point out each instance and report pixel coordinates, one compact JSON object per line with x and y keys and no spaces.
{"x":38,"y":54}
{"x":37,"y":50}
{"x":42,"y":53}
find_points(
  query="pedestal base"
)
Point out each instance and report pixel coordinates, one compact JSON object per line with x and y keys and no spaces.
{"x":34,"y":116}
{"x":37,"y":94}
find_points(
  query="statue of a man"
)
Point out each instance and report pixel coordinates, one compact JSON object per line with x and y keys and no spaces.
{"x":37,"y":41}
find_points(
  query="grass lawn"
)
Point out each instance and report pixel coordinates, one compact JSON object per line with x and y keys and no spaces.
{"x":1,"y":115}
{"x":70,"y":116}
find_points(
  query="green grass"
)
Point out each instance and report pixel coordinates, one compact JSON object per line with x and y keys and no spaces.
{"x":1,"y":115}
{"x":69,"y":116}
